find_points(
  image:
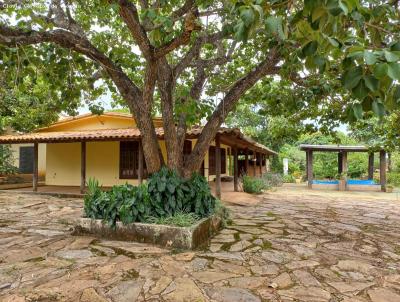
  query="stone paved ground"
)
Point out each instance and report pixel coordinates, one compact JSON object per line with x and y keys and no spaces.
{"x":295,"y":245}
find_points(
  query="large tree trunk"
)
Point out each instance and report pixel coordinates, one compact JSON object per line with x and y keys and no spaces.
{"x":173,"y":146}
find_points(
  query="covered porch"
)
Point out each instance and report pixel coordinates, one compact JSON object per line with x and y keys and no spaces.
{"x":342,"y":153}
{"x":236,"y":148}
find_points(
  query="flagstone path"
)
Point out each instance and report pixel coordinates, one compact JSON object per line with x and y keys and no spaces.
{"x":295,"y":245}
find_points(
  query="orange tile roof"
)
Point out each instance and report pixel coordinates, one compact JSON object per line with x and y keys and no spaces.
{"x":119,"y":134}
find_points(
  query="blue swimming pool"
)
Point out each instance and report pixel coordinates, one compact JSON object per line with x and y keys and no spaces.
{"x":349,"y":182}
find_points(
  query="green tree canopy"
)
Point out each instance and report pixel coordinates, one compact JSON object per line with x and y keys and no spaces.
{"x":178,"y":54}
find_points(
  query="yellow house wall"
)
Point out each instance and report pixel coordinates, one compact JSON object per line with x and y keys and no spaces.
{"x":102,"y":162}
{"x":63,"y":164}
{"x":41,"y":156}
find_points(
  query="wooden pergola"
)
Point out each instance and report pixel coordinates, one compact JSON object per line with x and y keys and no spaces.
{"x":342,"y":152}
{"x":232,"y":137}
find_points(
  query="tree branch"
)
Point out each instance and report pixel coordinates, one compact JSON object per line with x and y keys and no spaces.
{"x":267,"y":66}
{"x":195,"y":94}
{"x":130,"y":15}
{"x":183,"y":39}
{"x":15,"y":37}
{"x":62,"y":19}
{"x":194,"y":52}
{"x":175,"y":15}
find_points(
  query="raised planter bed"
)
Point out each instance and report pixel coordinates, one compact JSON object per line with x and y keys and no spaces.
{"x":192,"y":237}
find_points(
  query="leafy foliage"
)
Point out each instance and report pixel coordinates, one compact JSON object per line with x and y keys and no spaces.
{"x":341,"y":56}
{"x":393,"y":179}
{"x":94,"y":201}
{"x":289,"y":178}
{"x":170,"y":194}
{"x":253,"y":185}
{"x":124,"y":203}
{"x":6,"y":161}
{"x":165,"y":197}
{"x":136,"y":204}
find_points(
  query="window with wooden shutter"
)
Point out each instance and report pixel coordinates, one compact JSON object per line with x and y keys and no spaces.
{"x":223,"y":161}
{"x":211,"y":160}
{"x":26,"y":157}
{"x":129,"y":161}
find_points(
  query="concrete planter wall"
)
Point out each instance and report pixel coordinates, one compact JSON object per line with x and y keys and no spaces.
{"x":191,"y":237}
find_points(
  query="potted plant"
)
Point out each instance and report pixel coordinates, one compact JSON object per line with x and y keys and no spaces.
{"x":297,"y":175}
{"x":389,"y":188}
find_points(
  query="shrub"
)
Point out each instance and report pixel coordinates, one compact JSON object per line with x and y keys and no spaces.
{"x":95,"y":200}
{"x":273,"y":179}
{"x":202,"y":202}
{"x":166,"y":195}
{"x":297,"y":174}
{"x":126,"y":203}
{"x":393,"y":178}
{"x":7,"y":161}
{"x":288,"y":178}
{"x":253,"y":185}
{"x":135,"y":204}
{"x":170,"y":194}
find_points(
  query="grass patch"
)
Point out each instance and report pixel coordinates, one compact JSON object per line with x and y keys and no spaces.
{"x":64,"y":221}
{"x":267,"y":245}
{"x":180,"y":219}
{"x":270,"y":214}
{"x":130,"y":275}
{"x":397,"y":250}
{"x":369,"y":228}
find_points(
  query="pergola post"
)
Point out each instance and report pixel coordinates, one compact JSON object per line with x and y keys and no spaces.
{"x":35,"y":177}
{"x":141,"y":162}
{"x":83,"y":166}
{"x":254,"y":163}
{"x":306,"y":165}
{"x":235,"y":170}
{"x":265,"y":163}
{"x":340,"y":163}
{"x":343,"y":170}
{"x":261,"y":159}
{"x":310,"y":168}
{"x":344,"y":162}
{"x":382,"y":169}
{"x":246,"y":162}
{"x":371,"y":166}
{"x":217,"y":167}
